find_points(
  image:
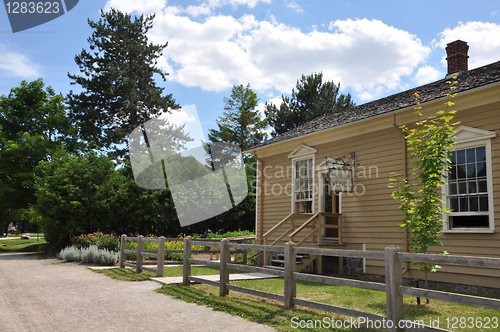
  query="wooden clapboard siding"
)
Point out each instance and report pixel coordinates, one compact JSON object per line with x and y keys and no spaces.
{"x":276,"y":202}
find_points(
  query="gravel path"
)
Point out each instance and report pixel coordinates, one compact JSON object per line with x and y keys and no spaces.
{"x":52,"y":295}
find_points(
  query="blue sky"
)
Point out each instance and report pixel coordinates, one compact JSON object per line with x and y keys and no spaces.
{"x":373,"y":48}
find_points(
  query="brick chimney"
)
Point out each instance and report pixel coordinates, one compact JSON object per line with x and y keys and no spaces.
{"x":457,"y":56}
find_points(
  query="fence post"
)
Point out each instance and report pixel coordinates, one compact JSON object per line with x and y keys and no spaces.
{"x":393,"y":279}
{"x":244,"y":257}
{"x":123,"y":245}
{"x":160,"y":260}
{"x":138,"y":255}
{"x":186,"y":266}
{"x":290,"y":284}
{"x":224,"y":272}
{"x":264,"y":253}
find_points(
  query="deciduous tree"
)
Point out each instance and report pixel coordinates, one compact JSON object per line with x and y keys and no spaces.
{"x":33,"y":125}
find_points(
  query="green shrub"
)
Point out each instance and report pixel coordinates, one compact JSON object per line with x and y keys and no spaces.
{"x":102,"y":241}
{"x":131,"y":245}
{"x":70,"y":254}
{"x":92,"y":254}
{"x":223,"y":236}
{"x":95,"y":255}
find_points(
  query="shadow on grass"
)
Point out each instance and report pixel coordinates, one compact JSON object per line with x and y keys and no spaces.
{"x":126,"y":274}
{"x":262,"y":311}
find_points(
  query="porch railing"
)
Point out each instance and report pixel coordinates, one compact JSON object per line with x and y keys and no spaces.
{"x":294,"y":232}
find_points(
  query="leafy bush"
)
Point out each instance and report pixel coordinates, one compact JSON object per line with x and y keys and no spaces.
{"x":169,"y":245}
{"x":92,"y":254}
{"x":102,"y":241}
{"x":131,"y":245}
{"x":95,"y":255}
{"x":223,"y":236}
{"x":70,"y":254}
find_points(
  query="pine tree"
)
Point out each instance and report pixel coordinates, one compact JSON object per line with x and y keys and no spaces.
{"x":241,"y":123}
{"x":119,"y":91}
{"x":310,"y":99}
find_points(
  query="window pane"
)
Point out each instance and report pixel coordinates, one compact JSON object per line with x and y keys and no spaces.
{"x":460,"y":156}
{"x":481,"y":169}
{"x":481,"y":153}
{"x":464,"y":204}
{"x":469,"y":221}
{"x":462,"y":187}
{"x":453,"y":157}
{"x":471,"y":170}
{"x":474,"y":203}
{"x":454,"y":204}
{"x":461,"y":170}
{"x":470,"y":155}
{"x":482,"y":186}
{"x":472,"y":187}
{"x":483,"y":203}
{"x":452,"y":173}
{"x":453,"y":188}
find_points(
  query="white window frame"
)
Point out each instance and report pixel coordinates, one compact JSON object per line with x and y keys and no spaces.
{"x":304,"y":152}
{"x":468,"y":137}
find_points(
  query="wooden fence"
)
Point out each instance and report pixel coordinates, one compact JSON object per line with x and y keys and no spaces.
{"x":159,"y":254}
{"x":393,"y":286}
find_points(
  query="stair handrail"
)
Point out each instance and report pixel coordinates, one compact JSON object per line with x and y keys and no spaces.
{"x":281,"y":236}
{"x":305,"y":224}
{"x":307,"y":237}
{"x":278,"y":225}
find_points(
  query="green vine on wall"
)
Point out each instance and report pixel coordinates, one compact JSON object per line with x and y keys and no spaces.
{"x":421,"y":201}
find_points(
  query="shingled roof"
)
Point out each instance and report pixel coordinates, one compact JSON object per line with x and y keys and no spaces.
{"x":468,"y":80}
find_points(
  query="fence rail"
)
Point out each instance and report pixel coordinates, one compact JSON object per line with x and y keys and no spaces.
{"x":393,"y":286}
{"x":159,"y":254}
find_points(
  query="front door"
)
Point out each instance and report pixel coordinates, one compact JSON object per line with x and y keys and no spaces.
{"x":330,"y":203}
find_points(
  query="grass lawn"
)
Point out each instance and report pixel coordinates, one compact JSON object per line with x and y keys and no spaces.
{"x":16,"y":244}
{"x":272,"y":313}
{"x":450,"y":316}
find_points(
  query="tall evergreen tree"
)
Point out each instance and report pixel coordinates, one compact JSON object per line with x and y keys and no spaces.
{"x":243,"y":126}
{"x":241,"y":123}
{"x":310,"y":99}
{"x":119,"y":91}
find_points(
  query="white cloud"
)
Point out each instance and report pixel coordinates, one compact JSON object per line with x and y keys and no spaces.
{"x":261,"y":107}
{"x":154,"y":6}
{"x":17,"y":65}
{"x":129,"y":6}
{"x":180,"y":116}
{"x":482,"y":38}
{"x":214,"y":52}
{"x":293,"y":5}
{"x":428,"y":74}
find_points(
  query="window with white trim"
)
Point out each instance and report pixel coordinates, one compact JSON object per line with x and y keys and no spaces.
{"x":470,"y":188}
{"x":304,"y":183}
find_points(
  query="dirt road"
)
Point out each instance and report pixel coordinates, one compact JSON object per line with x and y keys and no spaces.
{"x":51,"y":295}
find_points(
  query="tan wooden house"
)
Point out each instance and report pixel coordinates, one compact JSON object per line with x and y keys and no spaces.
{"x":355,"y":152}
